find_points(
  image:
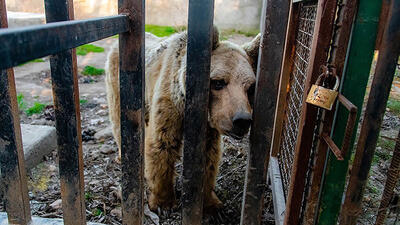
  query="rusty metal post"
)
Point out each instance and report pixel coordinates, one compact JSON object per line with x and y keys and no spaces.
{"x":132,"y":95}
{"x":199,"y":47}
{"x":12,"y":162}
{"x":382,"y":22}
{"x":68,"y":121}
{"x":393,"y":177}
{"x":320,"y":48}
{"x":273,"y":32}
{"x":375,"y":109}
{"x":287,"y":68}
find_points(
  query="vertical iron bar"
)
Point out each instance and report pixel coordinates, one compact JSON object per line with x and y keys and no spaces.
{"x":375,"y":109}
{"x":287,"y":68}
{"x":382,"y":22}
{"x":132,"y":97}
{"x":68,"y":121}
{"x":273,"y":31}
{"x":200,"y":35}
{"x":393,"y":176}
{"x":12,"y":164}
{"x":326,"y":12}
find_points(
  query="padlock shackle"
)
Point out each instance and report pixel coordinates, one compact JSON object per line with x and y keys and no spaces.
{"x":318,"y":82}
{"x":336,"y":87}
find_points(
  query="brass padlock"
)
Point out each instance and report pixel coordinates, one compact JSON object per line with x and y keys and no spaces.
{"x":321,"y":96}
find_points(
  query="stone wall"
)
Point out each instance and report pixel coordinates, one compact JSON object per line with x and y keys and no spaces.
{"x":229,"y":14}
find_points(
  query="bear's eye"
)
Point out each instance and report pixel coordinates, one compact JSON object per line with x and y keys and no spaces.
{"x":250,"y":93}
{"x":218,"y":84}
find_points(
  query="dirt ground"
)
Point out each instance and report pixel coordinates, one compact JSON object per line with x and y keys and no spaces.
{"x":380,"y":165}
{"x":101,"y":171}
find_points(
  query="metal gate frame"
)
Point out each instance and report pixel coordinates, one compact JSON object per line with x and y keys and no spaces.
{"x":320,"y":46}
{"x":324,"y":44}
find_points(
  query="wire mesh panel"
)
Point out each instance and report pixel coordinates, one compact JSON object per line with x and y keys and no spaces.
{"x":294,"y":101}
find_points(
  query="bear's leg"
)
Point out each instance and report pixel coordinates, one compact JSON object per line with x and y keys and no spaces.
{"x":213,"y":156}
{"x":163,"y":144}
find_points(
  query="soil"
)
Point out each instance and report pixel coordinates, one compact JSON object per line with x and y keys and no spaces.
{"x":378,"y":173}
{"x":102,"y":172}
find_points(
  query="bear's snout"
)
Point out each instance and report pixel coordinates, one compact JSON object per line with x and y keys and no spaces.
{"x":241,"y":124}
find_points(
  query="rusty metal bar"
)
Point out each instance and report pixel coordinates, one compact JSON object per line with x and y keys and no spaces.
{"x":304,"y":36}
{"x":393,"y":177}
{"x":132,"y":97}
{"x":275,"y":21}
{"x":12,"y":164}
{"x":199,"y":47}
{"x":375,"y":109}
{"x":20,"y":45}
{"x":335,"y":150}
{"x":287,"y":68}
{"x":382,"y":23}
{"x":351,"y":120}
{"x":320,"y":47}
{"x":68,"y":121}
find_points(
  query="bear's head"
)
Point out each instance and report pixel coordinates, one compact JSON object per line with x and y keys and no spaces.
{"x":232,"y":84}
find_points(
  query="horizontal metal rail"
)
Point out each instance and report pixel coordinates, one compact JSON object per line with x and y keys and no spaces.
{"x":19,"y":45}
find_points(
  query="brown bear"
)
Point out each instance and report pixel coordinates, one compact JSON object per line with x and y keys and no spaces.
{"x":232,"y":79}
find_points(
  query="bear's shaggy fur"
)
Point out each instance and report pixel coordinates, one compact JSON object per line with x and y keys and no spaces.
{"x":232,"y":82}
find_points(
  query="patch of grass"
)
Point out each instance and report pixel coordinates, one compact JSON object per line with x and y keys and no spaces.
{"x":21,"y":103}
{"x":386,"y":144}
{"x":35,"y":109}
{"x":92,"y":71}
{"x":375,"y":160}
{"x":33,"y":61}
{"x":83,"y":101}
{"x":394,"y":106}
{"x":85,"y":49}
{"x":384,"y":153}
{"x":160,"y":31}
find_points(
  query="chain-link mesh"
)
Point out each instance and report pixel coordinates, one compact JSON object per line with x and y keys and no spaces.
{"x":303,"y":43}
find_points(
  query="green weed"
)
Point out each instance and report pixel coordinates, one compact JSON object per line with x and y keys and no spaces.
{"x":85,"y":49}
{"x":88,"y":196}
{"x":394,"y":106}
{"x":97,"y":212}
{"x":160,"y":31}
{"x":35,"y":109}
{"x":92,"y":71}
{"x":83,"y":101}
{"x":33,"y":61}
{"x":21,"y":103}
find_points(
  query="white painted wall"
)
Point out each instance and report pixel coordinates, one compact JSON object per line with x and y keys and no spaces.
{"x":229,"y":14}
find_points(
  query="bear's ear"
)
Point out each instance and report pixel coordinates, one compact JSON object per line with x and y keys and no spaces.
{"x":251,"y":48}
{"x":215,"y":40}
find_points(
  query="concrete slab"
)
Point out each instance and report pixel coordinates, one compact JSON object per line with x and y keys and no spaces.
{"x":21,"y":19}
{"x":38,"y":220}
{"x":38,"y":141}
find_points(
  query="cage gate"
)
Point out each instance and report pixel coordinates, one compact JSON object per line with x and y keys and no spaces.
{"x":312,"y":38}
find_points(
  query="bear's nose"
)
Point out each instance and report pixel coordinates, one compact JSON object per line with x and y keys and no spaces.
{"x":241,"y":123}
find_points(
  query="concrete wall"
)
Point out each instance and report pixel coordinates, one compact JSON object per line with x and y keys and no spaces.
{"x":238,"y":14}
